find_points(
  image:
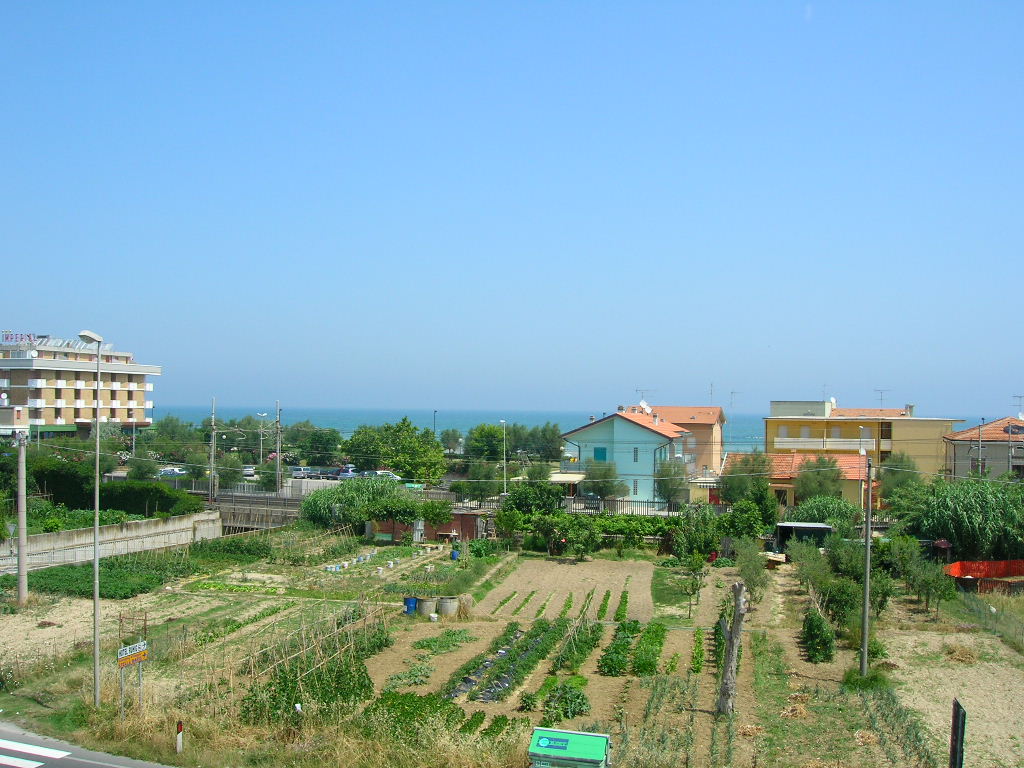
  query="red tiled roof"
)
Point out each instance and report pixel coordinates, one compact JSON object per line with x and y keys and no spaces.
{"x":687,"y":414}
{"x":663,"y":428}
{"x":993,"y":432}
{"x":786,"y":466}
{"x":868,"y":413}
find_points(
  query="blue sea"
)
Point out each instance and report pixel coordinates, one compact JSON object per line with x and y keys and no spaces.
{"x":743,"y":432}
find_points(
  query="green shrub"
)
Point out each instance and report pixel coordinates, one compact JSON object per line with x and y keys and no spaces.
{"x":528,"y":702}
{"x":403,"y":716}
{"x":148,"y":498}
{"x":817,"y":636}
{"x":602,"y":609}
{"x":648,"y":649}
{"x":874,"y":680}
{"x":565,"y":702}
{"x":751,"y":566}
{"x":615,"y":660}
{"x":697,"y":657}
{"x":473,"y":722}
{"x":623,"y":608}
{"x":496,"y":728}
{"x":723,"y":562}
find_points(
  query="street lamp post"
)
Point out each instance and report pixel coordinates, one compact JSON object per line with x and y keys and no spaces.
{"x":21,"y":438}
{"x":262,"y":417}
{"x":504,"y":460}
{"x":94,"y":338}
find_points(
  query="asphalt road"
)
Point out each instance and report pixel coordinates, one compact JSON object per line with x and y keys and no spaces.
{"x":22,"y":749}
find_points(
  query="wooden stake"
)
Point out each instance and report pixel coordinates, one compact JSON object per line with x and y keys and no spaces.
{"x":727,"y":692}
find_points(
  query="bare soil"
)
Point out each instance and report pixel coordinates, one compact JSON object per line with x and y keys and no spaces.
{"x":564,"y":576}
{"x":990,"y":688}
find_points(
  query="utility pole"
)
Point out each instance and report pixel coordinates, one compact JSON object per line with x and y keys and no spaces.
{"x":435,"y":423}
{"x":213,"y":449}
{"x":262,"y":426}
{"x":277,"y":455}
{"x":980,"y":427}
{"x":22,"y":440}
{"x":865,"y":615}
{"x":711,"y":393}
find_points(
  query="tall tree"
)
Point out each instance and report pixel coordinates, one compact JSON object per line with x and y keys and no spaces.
{"x":737,"y":480}
{"x":546,"y":442}
{"x":482,"y":482}
{"x":320,"y":447}
{"x":602,"y":478}
{"x":672,"y":483}
{"x":897,"y":471}
{"x":450,"y":439}
{"x":413,"y":453}
{"x":820,"y":477}
{"x":484,"y":441}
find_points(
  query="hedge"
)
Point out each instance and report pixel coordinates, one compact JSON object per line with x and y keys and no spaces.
{"x":139,"y":497}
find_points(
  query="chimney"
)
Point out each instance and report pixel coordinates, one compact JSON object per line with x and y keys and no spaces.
{"x":655,"y":418}
{"x":909,"y":408}
{"x":621,"y":409}
{"x":592,"y":419}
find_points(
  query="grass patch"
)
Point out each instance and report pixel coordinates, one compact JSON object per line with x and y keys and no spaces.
{"x":805,"y":722}
{"x":665,"y":591}
{"x":543,"y":606}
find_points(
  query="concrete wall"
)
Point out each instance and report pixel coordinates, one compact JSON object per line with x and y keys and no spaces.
{"x":46,"y":549}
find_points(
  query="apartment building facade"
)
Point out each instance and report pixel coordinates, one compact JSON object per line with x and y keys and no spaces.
{"x":54,"y":380}
{"x":821,"y":427}
{"x":991,"y":449}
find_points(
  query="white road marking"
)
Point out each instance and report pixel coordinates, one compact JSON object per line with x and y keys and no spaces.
{"x":32,"y":749}
{"x":17,"y":762}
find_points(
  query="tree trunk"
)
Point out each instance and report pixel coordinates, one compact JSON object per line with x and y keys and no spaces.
{"x":727,"y":693}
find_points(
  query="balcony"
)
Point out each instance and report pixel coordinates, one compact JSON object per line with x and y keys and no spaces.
{"x":80,"y":404}
{"x":132,"y":385}
{"x":113,"y":420}
{"x":79,"y":384}
{"x":115,"y":403}
{"x":149,"y":386}
{"x":115,"y":385}
{"x":83,"y":421}
{"x":59,"y":421}
{"x":36,"y":383}
{"x":149,"y":404}
{"x":831,"y":444}
{"x":5,"y":383}
{"x":59,"y":404}
{"x":61,"y":384}
{"x":37,"y":422}
{"x":36,"y":403}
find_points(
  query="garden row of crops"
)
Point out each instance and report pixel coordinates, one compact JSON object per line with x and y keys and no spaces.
{"x":464,"y":678}
{"x":526,"y":653}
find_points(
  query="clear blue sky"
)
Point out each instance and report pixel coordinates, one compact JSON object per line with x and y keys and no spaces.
{"x":523,"y":205}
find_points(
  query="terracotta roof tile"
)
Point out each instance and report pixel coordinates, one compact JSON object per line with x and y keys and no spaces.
{"x":998,"y":431}
{"x":786,"y":466}
{"x":663,"y":428}
{"x":686,"y":414}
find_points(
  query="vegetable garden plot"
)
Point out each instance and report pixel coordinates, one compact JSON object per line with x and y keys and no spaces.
{"x":523,"y":657}
{"x":468,"y":676}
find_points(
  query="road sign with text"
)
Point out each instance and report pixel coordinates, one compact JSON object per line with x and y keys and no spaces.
{"x":132,"y":654}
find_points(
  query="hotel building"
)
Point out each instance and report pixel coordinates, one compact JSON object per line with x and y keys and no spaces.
{"x":51,"y":383}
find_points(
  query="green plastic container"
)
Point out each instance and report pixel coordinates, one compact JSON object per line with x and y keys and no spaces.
{"x":551,"y":748}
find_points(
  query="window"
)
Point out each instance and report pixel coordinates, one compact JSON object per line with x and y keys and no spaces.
{"x":636,"y":487}
{"x":885,"y":430}
{"x":1018,"y":471}
{"x":780,"y":494}
{"x":836,"y":433}
{"x":636,"y":458}
{"x":884,"y":456}
{"x":805,"y":431}
{"x":783,"y":430}
{"x":978,"y":466}
{"x":600,"y":454}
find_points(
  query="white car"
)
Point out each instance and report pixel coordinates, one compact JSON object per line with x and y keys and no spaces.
{"x":249,"y":470}
{"x":171,"y":472}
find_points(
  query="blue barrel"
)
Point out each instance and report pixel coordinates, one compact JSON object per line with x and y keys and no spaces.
{"x":410,"y":606}
{"x":455,"y":554}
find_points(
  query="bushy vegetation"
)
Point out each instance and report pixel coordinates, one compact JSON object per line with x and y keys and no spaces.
{"x":403,"y":716}
{"x":648,"y":647}
{"x":751,"y":565}
{"x":832,"y":510}
{"x":352,"y":503}
{"x":602,"y":609}
{"x":817,"y":637}
{"x":623,"y":608}
{"x":471,"y":665}
{"x":509,"y":670}
{"x":577,"y":647}
{"x":565,"y":702}
{"x":697,"y":655}
{"x":615,"y":660}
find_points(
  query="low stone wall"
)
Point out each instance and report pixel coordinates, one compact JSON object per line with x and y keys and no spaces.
{"x":45,"y":549}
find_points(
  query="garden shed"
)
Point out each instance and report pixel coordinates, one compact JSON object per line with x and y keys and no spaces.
{"x":816,"y":532}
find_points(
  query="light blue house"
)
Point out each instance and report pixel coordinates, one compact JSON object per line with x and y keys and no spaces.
{"x":636,"y":442}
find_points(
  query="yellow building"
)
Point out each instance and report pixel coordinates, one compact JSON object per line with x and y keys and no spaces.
{"x":54,"y":380}
{"x":822,"y":428}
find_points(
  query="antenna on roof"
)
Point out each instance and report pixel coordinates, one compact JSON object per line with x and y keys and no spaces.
{"x":1019,"y":399}
{"x":732,"y":399}
{"x":881,"y":396}
{"x":643,"y":393}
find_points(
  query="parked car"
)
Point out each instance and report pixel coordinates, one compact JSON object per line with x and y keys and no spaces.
{"x":249,"y":470}
{"x":302,"y":473}
{"x":588,"y":500}
{"x":381,"y":473}
{"x":171,"y":472}
{"x":341,"y":473}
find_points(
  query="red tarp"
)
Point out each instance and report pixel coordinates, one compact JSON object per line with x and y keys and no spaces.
{"x":986,"y":569}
